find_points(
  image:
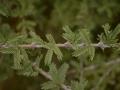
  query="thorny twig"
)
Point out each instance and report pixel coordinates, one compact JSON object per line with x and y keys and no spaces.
{"x":62,"y":45}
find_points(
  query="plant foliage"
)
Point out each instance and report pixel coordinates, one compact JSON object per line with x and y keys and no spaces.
{"x":59,"y":44}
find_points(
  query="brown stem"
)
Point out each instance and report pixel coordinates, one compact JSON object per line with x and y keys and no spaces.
{"x":62,"y":45}
{"x":93,"y":67}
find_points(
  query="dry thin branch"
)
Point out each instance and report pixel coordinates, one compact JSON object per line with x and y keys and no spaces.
{"x":107,"y":64}
{"x":62,"y":45}
{"x":97,"y":86}
{"x":93,"y":67}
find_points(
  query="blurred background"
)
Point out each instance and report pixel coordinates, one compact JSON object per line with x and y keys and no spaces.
{"x":50,"y":16}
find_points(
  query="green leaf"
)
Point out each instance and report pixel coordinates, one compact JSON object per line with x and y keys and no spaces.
{"x":116,"y":31}
{"x":67,"y":29}
{"x":35,"y":39}
{"x":48,"y":85}
{"x":20,"y":59}
{"x":87,"y":49}
{"x":23,"y":64}
{"x":58,"y":52}
{"x":6,"y":33}
{"x":8,"y":50}
{"x":24,"y":55}
{"x":28,"y":70}
{"x":3,"y":10}
{"x":91,"y":52}
{"x":48,"y":57}
{"x":24,"y":8}
{"x":109,"y":36}
{"x":106,"y":29}
{"x":58,"y":76}
{"x":26,"y":25}
{"x":80,"y":52}
{"x":77,"y":86}
{"x":17,"y":60}
{"x":70,"y":36}
{"x":50,"y":38}
{"x":52,"y":45}
{"x":17,"y":40}
{"x":62,"y":72}
{"x":53,"y":70}
{"x":85,"y":36}
{"x":38,"y":60}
